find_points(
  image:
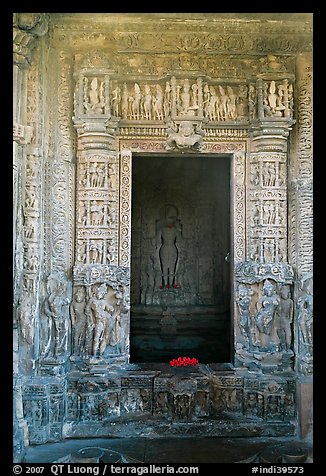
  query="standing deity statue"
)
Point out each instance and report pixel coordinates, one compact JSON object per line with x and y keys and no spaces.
{"x":56,"y":310}
{"x":147,"y":102}
{"x":124,"y":102}
{"x":305,"y":317}
{"x":168,"y":235}
{"x":78,"y":321}
{"x":158,"y":104}
{"x":103,"y":318}
{"x":115,"y":101}
{"x":284,"y":313}
{"x":185,"y":97}
{"x":266,"y":314}
{"x":25,"y":316}
{"x":243,"y":301}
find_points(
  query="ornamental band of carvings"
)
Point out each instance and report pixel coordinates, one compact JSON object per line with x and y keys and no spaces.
{"x":182,"y":99}
{"x":267,"y":206}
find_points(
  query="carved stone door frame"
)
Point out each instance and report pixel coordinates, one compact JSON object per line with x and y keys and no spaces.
{"x":236,"y":151}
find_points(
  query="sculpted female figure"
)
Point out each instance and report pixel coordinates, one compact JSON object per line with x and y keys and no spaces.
{"x":265,"y":316}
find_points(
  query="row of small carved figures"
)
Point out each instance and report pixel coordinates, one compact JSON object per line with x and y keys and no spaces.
{"x":185,"y":100}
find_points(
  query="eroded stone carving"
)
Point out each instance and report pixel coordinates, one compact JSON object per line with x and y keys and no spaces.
{"x":264,"y":317}
{"x":184,"y":135}
{"x":55,"y":329}
{"x":305,"y":324}
{"x":26,"y":317}
{"x":284,"y":313}
{"x":275,"y":99}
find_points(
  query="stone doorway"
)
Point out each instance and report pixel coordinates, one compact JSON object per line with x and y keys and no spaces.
{"x":180,"y":269}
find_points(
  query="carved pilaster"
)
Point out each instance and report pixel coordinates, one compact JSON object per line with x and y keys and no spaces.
{"x":263,"y":302}
{"x":301,"y":213}
{"x":99,"y":311}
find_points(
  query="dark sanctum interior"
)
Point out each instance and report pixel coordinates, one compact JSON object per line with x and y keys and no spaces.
{"x":180,"y":276}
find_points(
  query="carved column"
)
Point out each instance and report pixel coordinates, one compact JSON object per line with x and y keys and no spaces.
{"x":99,"y":311}
{"x":264,"y":306}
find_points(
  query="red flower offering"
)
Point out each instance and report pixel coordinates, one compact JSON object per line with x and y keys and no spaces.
{"x":184,"y":362}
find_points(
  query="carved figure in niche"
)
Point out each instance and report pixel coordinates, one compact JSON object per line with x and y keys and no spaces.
{"x":147,"y":102}
{"x":182,"y":409}
{"x":185,"y":97}
{"x":161,"y":405}
{"x":158,"y":103}
{"x":266,"y":314}
{"x":184,"y":136}
{"x":104,"y":319}
{"x":251,"y":403}
{"x":271,"y":64}
{"x":111,"y":254}
{"x":194,"y":89}
{"x":279,"y":110}
{"x":254,"y":174}
{"x":31,"y":200}
{"x":56,"y":309}
{"x":168,"y":236}
{"x":231,"y":103}
{"x":213,"y":111}
{"x":167,"y":99}
{"x":112,"y":177}
{"x":31,"y":168}
{"x":93,"y":174}
{"x":272,"y":97}
{"x":97,"y":213}
{"x":242,"y":105}
{"x":224,"y":102}
{"x":269,"y":251}
{"x":31,"y":261}
{"x":252,"y":101}
{"x":266,"y":106}
{"x":29,"y":228}
{"x":78,"y":321}
{"x":254,"y":252}
{"x":81,"y":252}
{"x":25,"y":316}
{"x":135,"y":104}
{"x":100,"y":176}
{"x":82,"y":214}
{"x":289,"y":408}
{"x":96,"y":96}
{"x":243,"y":300}
{"x":206,"y":98}
{"x":255,"y":217}
{"x":273,"y":410}
{"x":115,"y":101}
{"x":305,"y":314}
{"x":124,"y":102}
{"x":284,"y":313}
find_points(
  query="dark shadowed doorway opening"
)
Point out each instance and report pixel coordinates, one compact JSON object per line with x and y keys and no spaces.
{"x":180,"y":270}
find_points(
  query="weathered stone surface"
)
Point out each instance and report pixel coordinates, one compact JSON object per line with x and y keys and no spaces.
{"x":91,"y":94}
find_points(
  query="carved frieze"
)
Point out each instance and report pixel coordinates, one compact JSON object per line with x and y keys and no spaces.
{"x":267,"y":205}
